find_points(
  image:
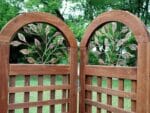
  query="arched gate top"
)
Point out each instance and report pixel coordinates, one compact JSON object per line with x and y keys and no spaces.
{"x":26,"y":18}
{"x":133,"y":22}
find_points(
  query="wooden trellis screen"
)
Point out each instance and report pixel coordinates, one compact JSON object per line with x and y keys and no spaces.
{"x":139,"y":76}
{"x":9,"y":72}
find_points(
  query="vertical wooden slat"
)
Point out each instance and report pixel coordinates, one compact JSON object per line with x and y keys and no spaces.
{"x":40,"y":93}
{"x":26,"y":94}
{"x":52,"y":95}
{"x":109,"y":97}
{"x":142,"y":79}
{"x":121,"y":87}
{"x":64,"y":95}
{"x":133,"y":102}
{"x":4,"y":61}
{"x":12,"y":80}
{"x":83,"y":62}
{"x":99,"y":95}
{"x":88,"y":95}
{"x":73,"y":79}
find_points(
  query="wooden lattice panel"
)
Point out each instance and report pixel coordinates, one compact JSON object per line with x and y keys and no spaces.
{"x":106,"y":90}
{"x":25,"y":89}
{"x":107,"y":99}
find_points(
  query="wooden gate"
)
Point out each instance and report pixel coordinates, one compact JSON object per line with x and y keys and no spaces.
{"x":8,"y":72}
{"x":139,"y":76}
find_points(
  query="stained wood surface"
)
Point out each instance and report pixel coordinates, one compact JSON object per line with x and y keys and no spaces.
{"x":38,"y":69}
{"x":112,"y":71}
{"x":4,"y":56}
{"x":68,"y":101}
{"x":36,"y":17}
{"x":139,"y":75}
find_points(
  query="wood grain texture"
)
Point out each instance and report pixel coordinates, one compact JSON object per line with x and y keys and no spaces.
{"x":121,"y":88}
{"x":4,"y":56}
{"x":39,"y":103}
{"x":138,"y":75}
{"x":65,"y":92}
{"x":6,"y":35}
{"x":142,"y":79}
{"x":52,"y":93}
{"x":26,"y":94}
{"x":133,"y":102}
{"x":73,"y":79}
{"x":109,"y":91}
{"x":109,"y":97}
{"x":37,"y":69}
{"x":106,"y":106}
{"x":112,"y":71}
{"x":40,"y":93}
{"x":40,"y":17}
{"x":88,"y":95}
{"x":99,"y":94}
{"x":38,"y":88}
{"x":84,"y":61}
{"x":128,"y":19}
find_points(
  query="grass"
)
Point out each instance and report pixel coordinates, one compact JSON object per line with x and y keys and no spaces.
{"x":19,"y":97}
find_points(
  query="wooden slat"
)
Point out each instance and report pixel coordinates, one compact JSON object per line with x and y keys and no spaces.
{"x":36,"y":104}
{"x":121,"y":88}
{"x":88,"y":95}
{"x":52,"y":95}
{"x":38,"y":88}
{"x":107,"y":107}
{"x":73,"y":60}
{"x":109,"y":97}
{"x":111,"y":92}
{"x":110,"y":71}
{"x":40,"y":93}
{"x":4,"y":56}
{"x":84,"y":61}
{"x":99,"y":95}
{"x":12,"y":80}
{"x":64,"y":95}
{"x":37,"y":69}
{"x":133,"y":102}
{"x":142,"y":80}
{"x":26,"y":94}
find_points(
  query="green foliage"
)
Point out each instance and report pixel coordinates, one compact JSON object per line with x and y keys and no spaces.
{"x":7,"y":11}
{"x":41,"y":44}
{"x":114,"y":45}
{"x":43,"y":5}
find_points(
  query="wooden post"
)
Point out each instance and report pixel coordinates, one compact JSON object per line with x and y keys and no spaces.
{"x":4,"y":61}
{"x":83,"y":62}
{"x":142,"y":79}
{"x":73,"y":79}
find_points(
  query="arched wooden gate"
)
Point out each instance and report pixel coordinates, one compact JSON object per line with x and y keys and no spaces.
{"x":139,"y":75}
{"x":8,"y":72}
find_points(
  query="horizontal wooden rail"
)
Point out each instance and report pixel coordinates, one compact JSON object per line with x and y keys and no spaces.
{"x":36,"y":104}
{"x":111,"y":92}
{"x":106,"y":107}
{"x":111,"y":71}
{"x":37,"y":88}
{"x":38,"y":69}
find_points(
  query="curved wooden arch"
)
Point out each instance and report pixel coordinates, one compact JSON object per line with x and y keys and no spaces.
{"x":26,"y":18}
{"x":130,"y":20}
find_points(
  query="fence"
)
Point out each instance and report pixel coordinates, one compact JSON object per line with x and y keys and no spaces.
{"x":12,"y":71}
{"x":139,"y":76}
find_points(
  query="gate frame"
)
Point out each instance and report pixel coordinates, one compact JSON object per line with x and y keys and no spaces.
{"x":142,"y":38}
{"x":8,"y":33}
